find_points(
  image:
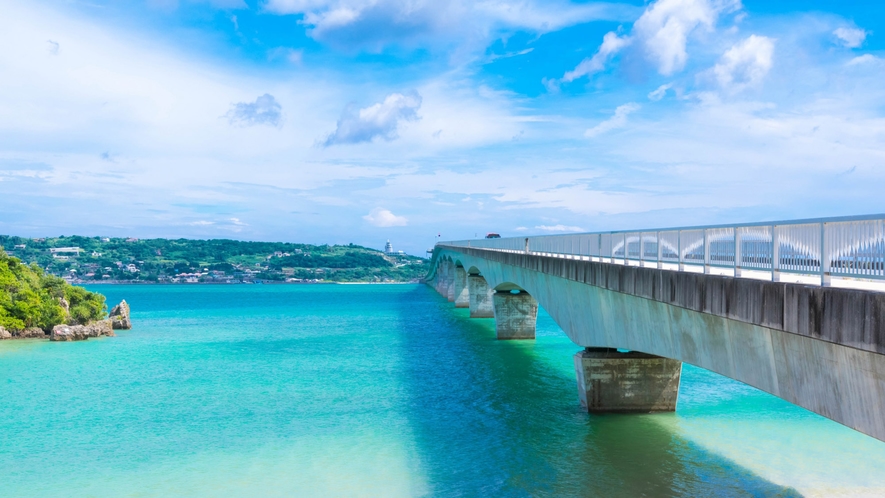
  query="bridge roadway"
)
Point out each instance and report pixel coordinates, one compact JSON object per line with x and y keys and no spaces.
{"x":821,"y":348}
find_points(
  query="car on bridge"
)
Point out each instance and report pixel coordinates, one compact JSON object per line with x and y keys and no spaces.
{"x":492,"y":235}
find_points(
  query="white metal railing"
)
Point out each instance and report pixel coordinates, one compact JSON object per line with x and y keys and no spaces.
{"x":852,"y":247}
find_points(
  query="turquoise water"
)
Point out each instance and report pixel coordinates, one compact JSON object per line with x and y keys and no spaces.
{"x":378,"y":390}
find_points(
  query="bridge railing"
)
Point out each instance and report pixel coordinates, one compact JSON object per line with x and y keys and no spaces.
{"x":852,"y":247}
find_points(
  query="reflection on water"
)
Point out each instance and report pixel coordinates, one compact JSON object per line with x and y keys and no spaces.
{"x":503,"y":417}
{"x":378,"y":391}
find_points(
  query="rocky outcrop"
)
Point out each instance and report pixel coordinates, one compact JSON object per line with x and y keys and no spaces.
{"x":81,"y":332}
{"x":119,"y":320}
{"x":119,"y":317}
{"x":30,"y":333}
{"x":68,"y":333}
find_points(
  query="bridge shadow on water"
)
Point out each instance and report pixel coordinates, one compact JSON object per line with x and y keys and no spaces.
{"x":502,"y":418}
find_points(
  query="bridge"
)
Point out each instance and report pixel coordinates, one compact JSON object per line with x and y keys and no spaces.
{"x":792,"y":308}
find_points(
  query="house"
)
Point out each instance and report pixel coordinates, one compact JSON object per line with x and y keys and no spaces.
{"x":20,"y":246}
{"x":64,"y":252}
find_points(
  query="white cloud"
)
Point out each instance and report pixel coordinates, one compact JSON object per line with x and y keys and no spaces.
{"x":201,"y":223}
{"x":560,"y":228}
{"x":660,"y":92}
{"x":864,"y":60}
{"x":745,"y":64}
{"x":619,"y":120}
{"x":375,"y":23}
{"x":265,"y":110}
{"x":378,"y":120}
{"x":850,"y":37}
{"x":381,"y":217}
{"x":665,"y":26}
{"x":611,"y":44}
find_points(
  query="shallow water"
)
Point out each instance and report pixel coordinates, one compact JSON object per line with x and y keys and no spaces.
{"x":378,"y":390}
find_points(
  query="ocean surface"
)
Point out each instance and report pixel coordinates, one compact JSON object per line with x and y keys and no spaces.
{"x":381,"y":391}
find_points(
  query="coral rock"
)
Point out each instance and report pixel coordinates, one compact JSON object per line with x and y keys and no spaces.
{"x":120,"y":317}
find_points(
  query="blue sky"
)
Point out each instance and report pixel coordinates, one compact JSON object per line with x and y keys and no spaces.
{"x":365,"y":120}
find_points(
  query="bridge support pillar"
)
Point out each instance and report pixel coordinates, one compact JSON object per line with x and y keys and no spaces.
{"x":462,"y":296}
{"x":450,"y":282}
{"x":480,"y":297}
{"x":441,"y":279}
{"x":632,"y":382}
{"x":515,"y":315}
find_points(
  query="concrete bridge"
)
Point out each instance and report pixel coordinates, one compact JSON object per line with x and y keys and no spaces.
{"x":640,"y":314}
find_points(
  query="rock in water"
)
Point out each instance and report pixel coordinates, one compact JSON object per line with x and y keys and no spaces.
{"x":120,"y":317}
{"x":32,"y":333}
{"x":68,"y":333}
{"x":4,"y":334}
{"x":98,"y":329}
{"x":81,"y":332}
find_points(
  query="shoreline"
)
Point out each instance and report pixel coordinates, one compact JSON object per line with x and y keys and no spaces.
{"x":134,"y":282}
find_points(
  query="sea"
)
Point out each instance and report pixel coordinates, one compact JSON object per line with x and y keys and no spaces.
{"x":378,"y":391}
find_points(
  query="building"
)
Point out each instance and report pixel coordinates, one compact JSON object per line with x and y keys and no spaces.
{"x":64,"y":252}
{"x":388,"y":247}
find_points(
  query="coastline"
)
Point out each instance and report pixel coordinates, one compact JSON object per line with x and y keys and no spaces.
{"x":136,"y":282}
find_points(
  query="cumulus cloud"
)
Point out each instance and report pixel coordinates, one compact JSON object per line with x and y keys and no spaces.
{"x":265,"y":110}
{"x":850,"y":37}
{"x":665,"y":26}
{"x":659,"y":93}
{"x":745,"y":64}
{"x":619,"y":120}
{"x":661,"y":33}
{"x":375,"y":23}
{"x":378,"y":120}
{"x":381,"y":217}
{"x":560,"y":228}
{"x":611,"y":44}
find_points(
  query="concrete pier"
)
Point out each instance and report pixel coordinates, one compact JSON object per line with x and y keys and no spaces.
{"x":632,"y":382}
{"x":441,"y":280}
{"x":480,"y":297}
{"x":462,"y":296}
{"x":515,"y":315}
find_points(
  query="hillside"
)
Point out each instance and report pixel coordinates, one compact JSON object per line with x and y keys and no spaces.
{"x":29,"y":298}
{"x":94,"y":259}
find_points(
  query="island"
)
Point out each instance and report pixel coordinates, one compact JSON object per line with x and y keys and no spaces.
{"x":90,"y":260}
{"x":35,"y":304}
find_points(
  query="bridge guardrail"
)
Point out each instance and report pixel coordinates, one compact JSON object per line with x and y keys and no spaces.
{"x":852,"y":247}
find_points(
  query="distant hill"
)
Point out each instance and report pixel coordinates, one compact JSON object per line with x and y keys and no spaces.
{"x":97,"y":259}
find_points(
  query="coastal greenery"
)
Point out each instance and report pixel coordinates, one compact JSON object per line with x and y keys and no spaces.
{"x":220,"y":260}
{"x":29,"y":297}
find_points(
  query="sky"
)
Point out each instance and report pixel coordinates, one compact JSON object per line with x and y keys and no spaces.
{"x":359,"y":121}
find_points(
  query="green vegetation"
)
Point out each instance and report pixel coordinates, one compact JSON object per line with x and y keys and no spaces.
{"x":90,"y":259}
{"x":31,"y":298}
